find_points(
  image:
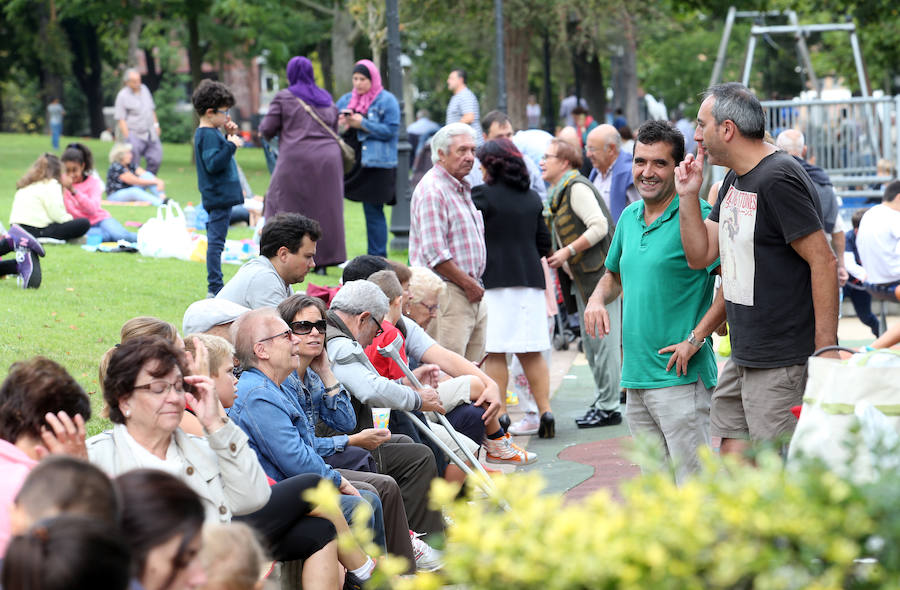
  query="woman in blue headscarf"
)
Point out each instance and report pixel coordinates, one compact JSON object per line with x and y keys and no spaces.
{"x":309,"y":175}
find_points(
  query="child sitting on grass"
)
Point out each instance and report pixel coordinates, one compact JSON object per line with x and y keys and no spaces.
{"x":217,"y":176}
{"x":38,"y":205}
{"x":83,"y":199}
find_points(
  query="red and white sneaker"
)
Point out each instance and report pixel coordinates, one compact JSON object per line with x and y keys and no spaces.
{"x":503,"y":450}
{"x":428,"y":559}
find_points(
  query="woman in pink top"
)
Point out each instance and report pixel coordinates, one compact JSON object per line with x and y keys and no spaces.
{"x":83,"y":200}
{"x":42,"y":411}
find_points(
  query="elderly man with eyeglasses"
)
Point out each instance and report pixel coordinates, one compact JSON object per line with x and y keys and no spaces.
{"x":352,"y":322}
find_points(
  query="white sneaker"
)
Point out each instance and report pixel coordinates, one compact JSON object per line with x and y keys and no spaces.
{"x":503,"y":450}
{"x":428,"y":559}
{"x":529,"y":424}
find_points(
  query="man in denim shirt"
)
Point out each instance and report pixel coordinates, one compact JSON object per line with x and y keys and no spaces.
{"x":272,"y":418}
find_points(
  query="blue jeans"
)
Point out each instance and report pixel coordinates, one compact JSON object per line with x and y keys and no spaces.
{"x":55,"y":133}
{"x":138,"y":193}
{"x":216,"y":232}
{"x":376,"y":229}
{"x":113,"y":231}
{"x":376,"y":521}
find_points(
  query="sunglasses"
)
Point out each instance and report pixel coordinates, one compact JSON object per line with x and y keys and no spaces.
{"x":305,"y":327}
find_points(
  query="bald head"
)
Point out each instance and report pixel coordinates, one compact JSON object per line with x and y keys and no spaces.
{"x":249,"y":329}
{"x":570,"y":136}
{"x":793,"y":142}
{"x":603,"y":146}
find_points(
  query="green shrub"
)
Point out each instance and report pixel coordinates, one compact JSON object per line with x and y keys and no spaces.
{"x":734,"y":526}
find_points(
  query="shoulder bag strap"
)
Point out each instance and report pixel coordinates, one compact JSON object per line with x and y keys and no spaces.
{"x":315,"y":116}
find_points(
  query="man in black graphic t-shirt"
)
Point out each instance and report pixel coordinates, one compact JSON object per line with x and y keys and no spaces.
{"x":779,"y":274}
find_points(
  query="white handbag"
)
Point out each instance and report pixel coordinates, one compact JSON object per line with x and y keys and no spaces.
{"x":851,"y":412}
{"x":166,"y":235}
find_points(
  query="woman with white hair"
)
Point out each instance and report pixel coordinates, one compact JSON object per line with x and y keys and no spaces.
{"x":126,"y":181}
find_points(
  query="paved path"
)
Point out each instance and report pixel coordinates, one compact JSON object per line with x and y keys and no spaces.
{"x":580,"y":461}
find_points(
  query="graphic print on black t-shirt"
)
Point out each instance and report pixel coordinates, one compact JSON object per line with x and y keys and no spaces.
{"x":767,"y":284}
{"x":737,"y":224}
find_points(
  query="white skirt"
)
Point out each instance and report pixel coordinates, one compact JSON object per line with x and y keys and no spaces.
{"x":516,"y":320}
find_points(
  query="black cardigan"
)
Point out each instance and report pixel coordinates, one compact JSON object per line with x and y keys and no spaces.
{"x":515,"y":234}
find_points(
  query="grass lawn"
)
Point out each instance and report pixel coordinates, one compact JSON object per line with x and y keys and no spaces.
{"x":76,"y":314}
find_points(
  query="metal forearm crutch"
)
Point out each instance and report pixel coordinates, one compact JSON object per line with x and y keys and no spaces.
{"x":392,"y":351}
{"x":362,"y":358}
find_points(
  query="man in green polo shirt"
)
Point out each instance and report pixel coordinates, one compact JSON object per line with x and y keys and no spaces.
{"x":668,"y":386}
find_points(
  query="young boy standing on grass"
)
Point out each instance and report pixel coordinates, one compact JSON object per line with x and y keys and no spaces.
{"x":217,"y":176}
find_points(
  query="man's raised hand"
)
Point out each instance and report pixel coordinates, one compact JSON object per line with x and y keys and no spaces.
{"x":689,"y":174}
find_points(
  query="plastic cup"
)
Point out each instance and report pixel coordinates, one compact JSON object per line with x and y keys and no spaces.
{"x":381,"y":417}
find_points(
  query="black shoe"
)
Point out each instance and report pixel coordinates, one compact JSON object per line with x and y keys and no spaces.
{"x":601,"y":418}
{"x":504,"y":422}
{"x":547,"y":429}
{"x":589,"y":415}
{"x":352,"y":582}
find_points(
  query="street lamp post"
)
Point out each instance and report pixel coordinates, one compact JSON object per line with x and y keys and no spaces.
{"x":400,"y":211}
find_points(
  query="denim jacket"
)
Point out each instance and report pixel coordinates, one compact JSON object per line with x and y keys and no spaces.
{"x":276,"y":426}
{"x":334,"y":410}
{"x":378,"y":135}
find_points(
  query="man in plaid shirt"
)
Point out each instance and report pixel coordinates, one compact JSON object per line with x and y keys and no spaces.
{"x":447,"y":236}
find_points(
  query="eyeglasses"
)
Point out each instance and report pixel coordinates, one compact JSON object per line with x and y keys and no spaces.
{"x":286,"y":334}
{"x":221,"y":112}
{"x":304,"y":327}
{"x":430,"y":308}
{"x":159,"y":386}
{"x":548,"y":156}
{"x":379,"y":330}
{"x":591,"y":149}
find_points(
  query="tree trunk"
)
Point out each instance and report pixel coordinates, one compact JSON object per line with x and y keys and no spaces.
{"x":134,"y":35}
{"x":629,"y":69}
{"x":87,"y":69}
{"x":195,"y":55}
{"x":153,"y":77}
{"x":516,"y":48}
{"x":344,"y":33}
{"x":48,"y":29}
{"x":324,"y":51}
{"x":593,"y":87}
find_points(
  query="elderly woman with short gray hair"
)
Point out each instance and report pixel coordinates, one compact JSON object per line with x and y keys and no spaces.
{"x":126,"y":181}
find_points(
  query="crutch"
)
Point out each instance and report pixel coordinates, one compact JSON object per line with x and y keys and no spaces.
{"x":488,"y":486}
{"x":392,"y":351}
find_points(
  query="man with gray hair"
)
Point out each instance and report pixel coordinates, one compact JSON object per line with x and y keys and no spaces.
{"x":612,"y":169}
{"x":353,"y":320}
{"x":447,"y":235}
{"x":793,"y":142}
{"x":779,"y":276}
{"x":135,"y":114}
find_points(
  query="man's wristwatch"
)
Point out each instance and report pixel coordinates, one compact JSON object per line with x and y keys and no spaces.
{"x":572,"y":250}
{"x":692,"y":340}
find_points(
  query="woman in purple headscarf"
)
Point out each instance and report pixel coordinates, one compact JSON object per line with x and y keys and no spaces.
{"x":309,"y":175}
{"x":369,"y":120}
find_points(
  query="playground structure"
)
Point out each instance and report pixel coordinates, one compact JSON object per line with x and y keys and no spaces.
{"x":846,"y":137}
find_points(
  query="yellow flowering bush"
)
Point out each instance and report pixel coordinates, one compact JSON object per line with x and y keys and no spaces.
{"x":733,"y":526}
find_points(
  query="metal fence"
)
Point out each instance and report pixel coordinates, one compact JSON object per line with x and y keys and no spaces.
{"x":846,"y":138}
